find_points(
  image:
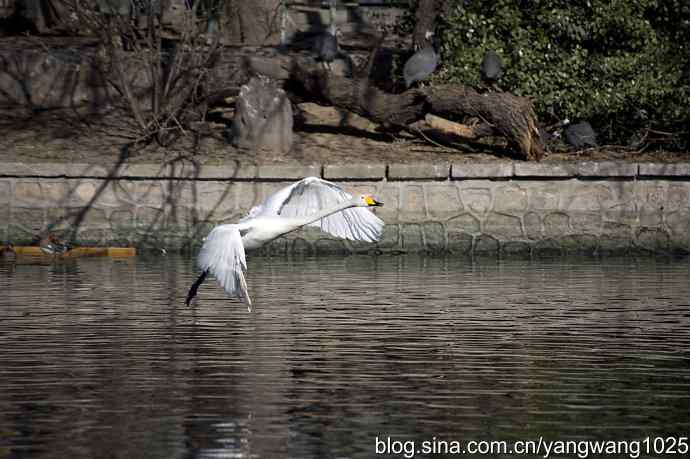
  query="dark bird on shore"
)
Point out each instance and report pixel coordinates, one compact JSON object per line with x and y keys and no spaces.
{"x":492,"y":68}
{"x":52,"y":245}
{"x":581,"y":135}
{"x":327,"y":46}
{"x":421,"y":64}
{"x":8,"y":253}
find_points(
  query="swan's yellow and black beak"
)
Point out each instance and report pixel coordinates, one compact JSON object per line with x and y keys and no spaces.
{"x":372,"y":202}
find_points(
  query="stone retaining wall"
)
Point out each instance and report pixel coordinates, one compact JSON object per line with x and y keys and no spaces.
{"x":496,"y":206}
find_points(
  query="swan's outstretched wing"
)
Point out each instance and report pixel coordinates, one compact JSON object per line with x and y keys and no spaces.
{"x":223,"y":255}
{"x":312,"y":195}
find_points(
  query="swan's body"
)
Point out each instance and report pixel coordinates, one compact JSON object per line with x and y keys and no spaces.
{"x":310,"y":201}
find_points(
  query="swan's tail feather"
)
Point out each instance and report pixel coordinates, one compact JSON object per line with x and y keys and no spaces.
{"x":195,"y":286}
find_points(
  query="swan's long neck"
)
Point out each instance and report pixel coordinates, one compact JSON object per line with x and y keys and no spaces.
{"x":326,"y":212}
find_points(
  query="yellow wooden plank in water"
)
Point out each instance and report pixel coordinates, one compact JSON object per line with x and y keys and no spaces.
{"x":122,"y":251}
{"x":78,"y":251}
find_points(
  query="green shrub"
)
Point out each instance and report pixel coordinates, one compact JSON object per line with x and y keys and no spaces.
{"x":622,"y":64}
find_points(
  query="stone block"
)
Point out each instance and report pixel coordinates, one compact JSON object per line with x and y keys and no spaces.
{"x":606,"y":169}
{"x":288,"y":172}
{"x":83,"y":193}
{"x":653,"y":240}
{"x":150,"y":219}
{"x":124,"y":191}
{"x":93,"y":237}
{"x":92,"y":191}
{"x":482,"y":169}
{"x":354,"y":171}
{"x":30,"y":218}
{"x":331,"y":246}
{"x":122,"y":220}
{"x":216,"y":200}
{"x":4,"y":216}
{"x":147,"y":192}
{"x":556,"y":225}
{"x":20,"y":235}
{"x":434,"y":237}
{"x":265,"y":190}
{"x":586,"y":222}
{"x":510,"y":199}
{"x":615,"y":237}
{"x":225,"y":171}
{"x":547,"y":248}
{"x":467,"y":223}
{"x":143,"y":170}
{"x":82,"y":170}
{"x":513,"y":248}
{"x":91,"y":218}
{"x":39,"y":193}
{"x":358,"y":188}
{"x":651,"y":217}
{"x":278,"y":247}
{"x":389,"y":238}
{"x":532,"y":225}
{"x":678,"y":197}
{"x":301,"y":246}
{"x":544,"y":196}
{"x":678,"y":223}
{"x":617,"y":195}
{"x":459,"y":242}
{"x":418,"y":171}
{"x":179,"y":193}
{"x":651,"y":201}
{"x":5,"y":191}
{"x":545,"y":169}
{"x":664,"y":169}
{"x":59,"y":218}
{"x":485,"y":244}
{"x":389,"y":194}
{"x":412,"y":203}
{"x":503,"y":227}
{"x":477,"y":200}
{"x":623,"y":213}
{"x":41,"y":169}
{"x":585,"y":244}
{"x":411,"y":239}
{"x":444,"y":200}
{"x":149,"y":241}
{"x":150,"y":194}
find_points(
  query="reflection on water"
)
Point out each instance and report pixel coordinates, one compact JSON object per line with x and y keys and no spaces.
{"x":101,"y":358}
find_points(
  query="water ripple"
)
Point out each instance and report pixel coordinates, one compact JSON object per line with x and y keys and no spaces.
{"x":101,"y":357}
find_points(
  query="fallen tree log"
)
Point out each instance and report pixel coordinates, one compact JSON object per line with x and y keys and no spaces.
{"x":508,"y":115}
{"x":444,"y":126}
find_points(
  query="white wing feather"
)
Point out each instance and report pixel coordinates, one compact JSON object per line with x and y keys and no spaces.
{"x":311,"y":195}
{"x":223,"y":255}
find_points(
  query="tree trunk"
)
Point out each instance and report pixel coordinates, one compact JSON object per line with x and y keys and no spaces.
{"x":425,"y":16}
{"x":507,"y":115}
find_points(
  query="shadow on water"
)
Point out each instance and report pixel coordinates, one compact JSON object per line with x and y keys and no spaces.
{"x":100,"y":358}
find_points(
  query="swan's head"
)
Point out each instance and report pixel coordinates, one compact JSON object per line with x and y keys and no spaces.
{"x":366,"y":200}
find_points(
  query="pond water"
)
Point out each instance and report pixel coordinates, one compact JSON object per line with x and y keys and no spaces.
{"x":341,"y":356}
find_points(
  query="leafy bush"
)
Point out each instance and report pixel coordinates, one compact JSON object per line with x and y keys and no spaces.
{"x":622,"y":64}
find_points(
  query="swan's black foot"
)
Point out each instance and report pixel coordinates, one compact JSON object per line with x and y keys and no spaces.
{"x":195,"y":286}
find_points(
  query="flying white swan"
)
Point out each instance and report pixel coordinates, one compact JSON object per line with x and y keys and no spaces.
{"x":310,"y":201}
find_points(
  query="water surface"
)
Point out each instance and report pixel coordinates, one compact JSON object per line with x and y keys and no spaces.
{"x":100,"y":357}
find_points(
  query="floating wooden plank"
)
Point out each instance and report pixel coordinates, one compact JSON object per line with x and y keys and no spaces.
{"x":77,"y":252}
